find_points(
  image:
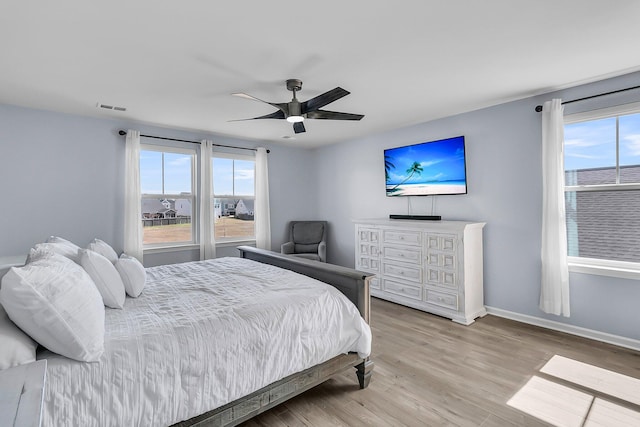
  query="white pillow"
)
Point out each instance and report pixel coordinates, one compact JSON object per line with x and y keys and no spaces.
{"x":133,"y":274}
{"x":55,"y":301}
{"x":17,"y":347}
{"x":58,"y":245}
{"x":43,"y":248}
{"x":103,"y":249}
{"x":38,"y":252}
{"x":56,"y":239}
{"x":105,"y":276}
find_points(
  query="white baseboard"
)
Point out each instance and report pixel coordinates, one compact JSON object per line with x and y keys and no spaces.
{"x":569,"y":329}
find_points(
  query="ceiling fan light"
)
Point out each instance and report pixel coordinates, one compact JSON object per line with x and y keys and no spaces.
{"x":295,"y":119}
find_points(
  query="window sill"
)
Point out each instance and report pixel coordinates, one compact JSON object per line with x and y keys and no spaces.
{"x":190,"y":246}
{"x":176,"y":248}
{"x":226,"y":243}
{"x":630,"y":271}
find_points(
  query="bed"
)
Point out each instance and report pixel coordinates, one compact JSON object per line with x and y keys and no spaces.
{"x":217,"y":342}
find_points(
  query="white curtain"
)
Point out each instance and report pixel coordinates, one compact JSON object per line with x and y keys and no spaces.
{"x":262,"y":213}
{"x":207,"y":239}
{"x":132,"y":200}
{"x":554,"y":292}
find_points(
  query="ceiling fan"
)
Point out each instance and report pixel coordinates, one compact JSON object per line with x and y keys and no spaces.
{"x":295,"y":111}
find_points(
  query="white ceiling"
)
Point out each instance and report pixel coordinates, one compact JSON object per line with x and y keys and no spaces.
{"x":175,"y":63}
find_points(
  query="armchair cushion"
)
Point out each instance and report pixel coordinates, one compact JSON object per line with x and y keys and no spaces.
{"x":306,"y":249}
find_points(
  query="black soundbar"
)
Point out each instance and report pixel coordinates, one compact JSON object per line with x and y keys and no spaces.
{"x":420,"y":217}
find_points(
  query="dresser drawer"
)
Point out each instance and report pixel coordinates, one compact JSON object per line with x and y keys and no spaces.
{"x":442,"y":299}
{"x":406,"y":237}
{"x":403,"y":289}
{"x":442,"y":242}
{"x":368,"y":264}
{"x":369,"y":249}
{"x":406,"y":272}
{"x":441,"y":277}
{"x":405,"y":254}
{"x":444,"y":260}
{"x":368,"y":235}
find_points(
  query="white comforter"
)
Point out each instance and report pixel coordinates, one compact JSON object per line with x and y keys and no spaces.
{"x":202,"y":334}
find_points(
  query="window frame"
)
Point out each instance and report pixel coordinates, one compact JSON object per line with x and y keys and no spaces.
{"x":604,"y":267}
{"x":194,"y":242}
{"x":227,"y":241}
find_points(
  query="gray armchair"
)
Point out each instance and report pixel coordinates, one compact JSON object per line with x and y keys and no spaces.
{"x":307,"y":239}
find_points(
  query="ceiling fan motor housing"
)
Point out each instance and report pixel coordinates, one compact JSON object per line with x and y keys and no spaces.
{"x":294,"y":85}
{"x":294,"y":108}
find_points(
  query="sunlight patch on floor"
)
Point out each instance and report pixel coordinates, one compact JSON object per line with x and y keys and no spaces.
{"x":561,"y":405}
{"x":602,"y":380}
{"x":551,"y":402}
{"x":607,"y":414}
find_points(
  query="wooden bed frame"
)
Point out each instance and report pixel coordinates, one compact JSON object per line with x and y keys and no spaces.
{"x":352,"y":283}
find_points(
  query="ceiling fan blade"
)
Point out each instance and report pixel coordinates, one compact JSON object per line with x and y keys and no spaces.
{"x":320,"y":101}
{"x":333,"y":115}
{"x":275,"y":115}
{"x":284,"y":107}
{"x":298,"y":127}
{"x":253,"y":98}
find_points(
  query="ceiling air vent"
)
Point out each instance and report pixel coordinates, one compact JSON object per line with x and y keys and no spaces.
{"x":110,"y":107}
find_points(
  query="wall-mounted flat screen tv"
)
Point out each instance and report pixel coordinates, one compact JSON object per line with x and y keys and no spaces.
{"x":426,"y":169}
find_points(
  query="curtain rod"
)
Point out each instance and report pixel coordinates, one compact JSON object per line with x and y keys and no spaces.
{"x":539,"y":107}
{"x":123,"y":132}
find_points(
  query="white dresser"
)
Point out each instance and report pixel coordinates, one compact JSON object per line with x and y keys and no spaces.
{"x":434,"y":266}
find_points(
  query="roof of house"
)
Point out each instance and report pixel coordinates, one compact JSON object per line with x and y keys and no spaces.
{"x":152,"y":206}
{"x":248,"y":203}
{"x":604,"y":224}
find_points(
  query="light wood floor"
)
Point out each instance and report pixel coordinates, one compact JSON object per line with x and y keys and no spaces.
{"x":431,"y":371}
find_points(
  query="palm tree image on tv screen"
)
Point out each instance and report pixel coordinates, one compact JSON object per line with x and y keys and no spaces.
{"x":429,"y":168}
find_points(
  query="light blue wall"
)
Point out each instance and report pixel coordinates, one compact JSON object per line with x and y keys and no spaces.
{"x":505,"y":191}
{"x":60,"y":175}
{"x":63,"y":175}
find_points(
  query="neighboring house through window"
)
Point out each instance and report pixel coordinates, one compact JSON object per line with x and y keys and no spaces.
{"x":167,"y":180}
{"x":602,"y":190}
{"x":233,"y":196}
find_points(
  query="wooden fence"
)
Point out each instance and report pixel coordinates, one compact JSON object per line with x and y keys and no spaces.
{"x":150,"y":222}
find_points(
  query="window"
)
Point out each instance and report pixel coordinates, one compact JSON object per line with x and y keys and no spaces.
{"x":233,"y":196}
{"x":602,"y":188}
{"x":167,"y":177}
